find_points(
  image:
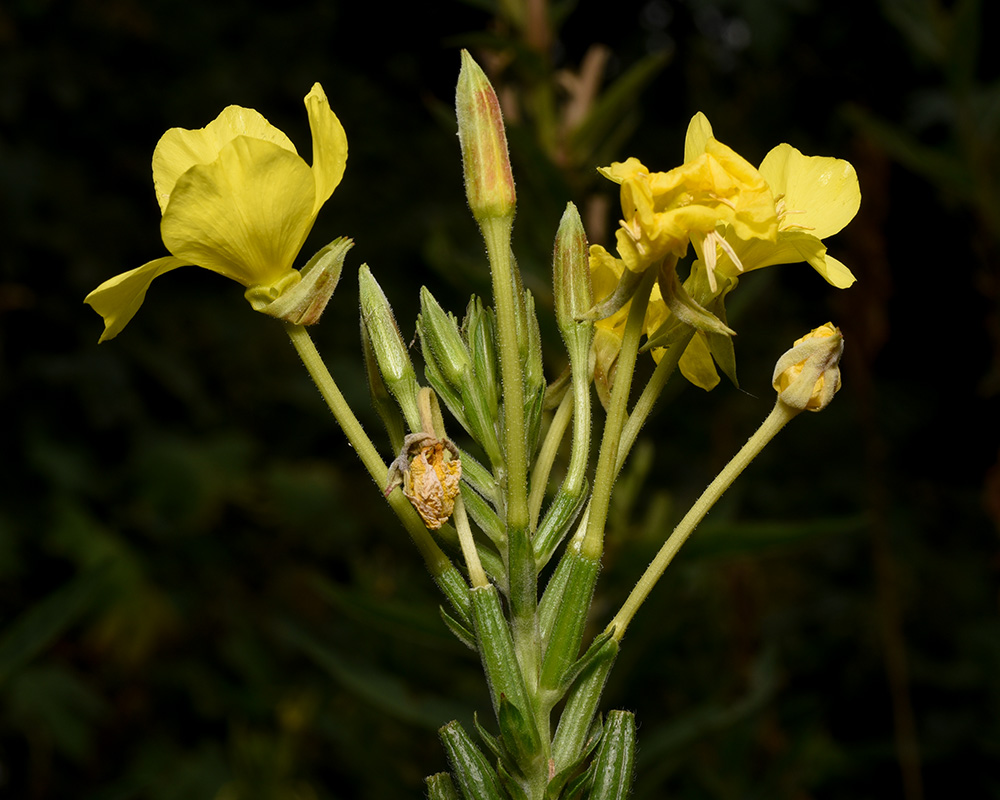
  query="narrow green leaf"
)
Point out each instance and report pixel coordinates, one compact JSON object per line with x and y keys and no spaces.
{"x":615,"y":760}
{"x":476,"y":779}
{"x":441,"y":787}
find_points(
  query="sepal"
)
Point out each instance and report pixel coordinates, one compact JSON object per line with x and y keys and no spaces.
{"x":302,"y":301}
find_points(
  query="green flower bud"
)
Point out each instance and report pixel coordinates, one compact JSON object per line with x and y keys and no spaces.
{"x":388,"y":346}
{"x":479,"y":328}
{"x":574,"y":291}
{"x":489,"y":183}
{"x":439,"y":331}
{"x":450,"y":370}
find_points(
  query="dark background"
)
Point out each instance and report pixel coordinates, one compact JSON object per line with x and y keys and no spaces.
{"x":201,"y":595}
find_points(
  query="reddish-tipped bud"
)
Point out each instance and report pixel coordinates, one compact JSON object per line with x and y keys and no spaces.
{"x":489,"y":183}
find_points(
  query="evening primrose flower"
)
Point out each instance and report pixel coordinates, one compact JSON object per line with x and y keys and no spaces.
{"x":237,"y":199}
{"x":665,"y":211}
{"x":816,"y":197}
{"x":605,"y":272}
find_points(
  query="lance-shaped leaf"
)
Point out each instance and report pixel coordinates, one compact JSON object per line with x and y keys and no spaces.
{"x":476,"y":779}
{"x":612,"y":772}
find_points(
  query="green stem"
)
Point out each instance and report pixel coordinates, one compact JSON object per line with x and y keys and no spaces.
{"x":496,"y":232}
{"x":607,"y":460}
{"x":546,"y":457}
{"x":650,"y":394}
{"x":521,"y":572}
{"x":437,"y":562}
{"x":776,"y":420}
{"x":472,"y":562}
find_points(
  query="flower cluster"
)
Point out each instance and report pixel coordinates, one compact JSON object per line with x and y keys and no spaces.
{"x":737,"y":218}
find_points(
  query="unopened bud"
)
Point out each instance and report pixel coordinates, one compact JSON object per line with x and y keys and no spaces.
{"x":439,"y":333}
{"x":574,"y":291}
{"x":808,"y":376}
{"x":489,"y":184}
{"x":388,"y":346}
{"x":301,"y":297}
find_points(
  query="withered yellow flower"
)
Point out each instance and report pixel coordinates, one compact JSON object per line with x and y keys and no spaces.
{"x":236,"y":199}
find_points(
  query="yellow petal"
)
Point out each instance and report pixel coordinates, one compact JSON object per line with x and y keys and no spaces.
{"x":697,"y":366}
{"x":329,"y":145}
{"x":180,"y":149}
{"x":621,"y":171}
{"x":245,"y":215}
{"x":834,"y":271}
{"x":698,"y":133}
{"x":118,"y":298}
{"x":821,"y":195}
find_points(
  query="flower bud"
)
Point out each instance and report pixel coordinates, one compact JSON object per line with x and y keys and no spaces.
{"x":574,"y":291}
{"x":808,"y":376}
{"x":449,"y":368}
{"x":388,"y":346}
{"x":439,"y":331}
{"x":489,"y":184}
{"x":300,"y":298}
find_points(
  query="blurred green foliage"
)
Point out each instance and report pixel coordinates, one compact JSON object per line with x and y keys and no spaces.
{"x":200,"y":593}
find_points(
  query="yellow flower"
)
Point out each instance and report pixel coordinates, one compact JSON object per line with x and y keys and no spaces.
{"x":236,"y":199}
{"x":605,"y":272}
{"x":816,"y":197}
{"x":664,"y":211}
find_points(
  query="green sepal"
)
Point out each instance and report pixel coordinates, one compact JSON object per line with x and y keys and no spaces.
{"x":581,"y":705}
{"x":684,"y":307}
{"x":559,"y":518}
{"x":476,"y":779}
{"x":303,"y":301}
{"x":461,"y":632}
{"x":563,"y":643}
{"x":627,"y":285}
{"x":441,"y":787}
{"x":559,"y":780}
{"x":612,"y":773}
